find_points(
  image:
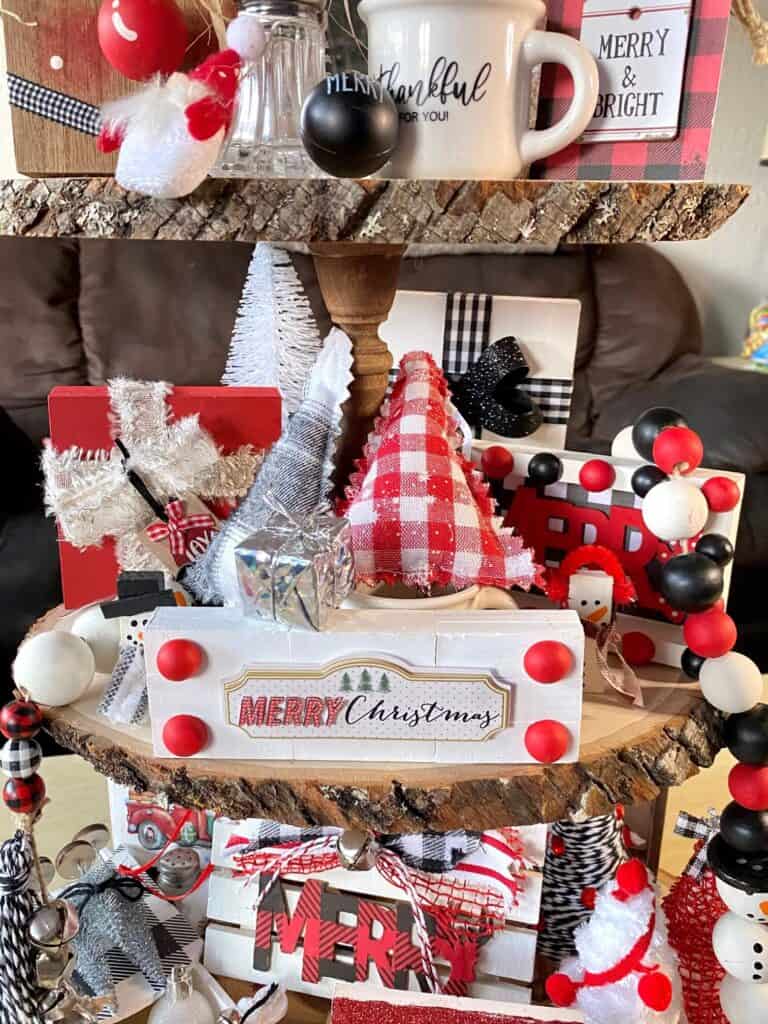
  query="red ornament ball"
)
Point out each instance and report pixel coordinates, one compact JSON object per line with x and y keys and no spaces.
{"x":678,"y":449}
{"x":632,"y":877}
{"x":180,"y":659}
{"x":185,"y":735}
{"x":547,"y":741}
{"x":548,"y":661}
{"x":597,"y":475}
{"x":24,"y":796}
{"x":710,"y":634}
{"x":749,"y":786}
{"x":655,"y":990}
{"x":497,"y":462}
{"x":638,"y":648}
{"x":722,"y":494}
{"x":141,"y":38}
{"x":560,"y":989}
{"x":20,"y":720}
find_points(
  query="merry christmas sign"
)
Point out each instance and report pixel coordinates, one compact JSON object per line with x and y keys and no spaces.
{"x":425,"y":686}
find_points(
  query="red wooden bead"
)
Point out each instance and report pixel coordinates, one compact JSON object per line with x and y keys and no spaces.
{"x":20,"y":720}
{"x":678,"y":449}
{"x":710,"y":634}
{"x":597,"y":475}
{"x":722,"y":494}
{"x":557,"y":846}
{"x":497,"y":462}
{"x":185,"y":735}
{"x":548,"y":661}
{"x":547,"y":741}
{"x":749,"y":786}
{"x":141,"y":38}
{"x":638,"y":648}
{"x":180,"y":659}
{"x":24,"y":796}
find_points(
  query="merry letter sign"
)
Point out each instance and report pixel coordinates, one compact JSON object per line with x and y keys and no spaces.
{"x":390,"y":686}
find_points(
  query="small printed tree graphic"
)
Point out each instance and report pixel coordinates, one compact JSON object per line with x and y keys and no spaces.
{"x":384,"y":683}
{"x":365,"y":681}
{"x":346,"y":683}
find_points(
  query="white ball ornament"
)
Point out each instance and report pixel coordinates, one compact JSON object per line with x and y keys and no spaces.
{"x":246,"y":36}
{"x":732,"y":684}
{"x":753,"y":906}
{"x":743,"y":1002}
{"x":741,"y":948}
{"x":623,"y":448}
{"x":102,"y":636}
{"x":675,"y":510}
{"x":54,"y":668}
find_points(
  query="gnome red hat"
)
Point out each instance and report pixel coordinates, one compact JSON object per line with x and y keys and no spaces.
{"x":625,"y":969}
{"x":590,"y":556}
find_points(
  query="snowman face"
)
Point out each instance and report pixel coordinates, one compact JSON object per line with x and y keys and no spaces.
{"x":741,"y":948}
{"x":132,"y":629}
{"x":753,"y":906}
{"x":590,"y":594}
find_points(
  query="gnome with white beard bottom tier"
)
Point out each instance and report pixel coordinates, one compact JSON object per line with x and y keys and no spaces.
{"x":625,"y":970}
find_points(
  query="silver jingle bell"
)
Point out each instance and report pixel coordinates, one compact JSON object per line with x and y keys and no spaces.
{"x":357,"y":850}
{"x":53,"y":926}
{"x":53,"y":967}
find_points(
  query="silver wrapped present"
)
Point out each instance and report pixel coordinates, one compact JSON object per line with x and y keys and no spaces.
{"x":296,"y":572}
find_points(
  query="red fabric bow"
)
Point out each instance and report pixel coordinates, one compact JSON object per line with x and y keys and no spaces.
{"x":178,"y":524}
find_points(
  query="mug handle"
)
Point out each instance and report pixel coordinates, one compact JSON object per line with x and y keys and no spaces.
{"x":538,"y":48}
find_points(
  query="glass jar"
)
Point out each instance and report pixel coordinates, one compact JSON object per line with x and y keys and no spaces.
{"x":264,"y":139}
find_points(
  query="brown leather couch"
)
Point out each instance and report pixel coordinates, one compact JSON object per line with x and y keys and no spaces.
{"x":82,"y":312}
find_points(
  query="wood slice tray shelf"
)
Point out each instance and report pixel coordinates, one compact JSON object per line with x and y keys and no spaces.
{"x":386,"y":212}
{"x":628,"y":755}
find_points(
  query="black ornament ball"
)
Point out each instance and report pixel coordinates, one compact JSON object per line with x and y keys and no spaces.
{"x":691,"y":663}
{"x":691,"y":583}
{"x":350,"y":125}
{"x":716,"y":547}
{"x":646,"y":478}
{"x":746,"y":736}
{"x":648,"y":427}
{"x":544,"y":469}
{"x":743,"y":830}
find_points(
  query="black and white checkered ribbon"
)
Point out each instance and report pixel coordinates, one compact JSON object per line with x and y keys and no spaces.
{"x":53,"y":106}
{"x":466,"y":335}
{"x":703,"y":829}
{"x":433,"y":852}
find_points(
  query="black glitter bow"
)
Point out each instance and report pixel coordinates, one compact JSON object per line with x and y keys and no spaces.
{"x":489,"y":395}
{"x":130,"y":889}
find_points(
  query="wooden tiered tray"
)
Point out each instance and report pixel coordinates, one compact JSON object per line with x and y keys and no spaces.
{"x":391,"y":212}
{"x":627,"y":756}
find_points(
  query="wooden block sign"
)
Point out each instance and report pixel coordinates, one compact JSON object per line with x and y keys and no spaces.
{"x":425,"y":686}
{"x":355,"y":926}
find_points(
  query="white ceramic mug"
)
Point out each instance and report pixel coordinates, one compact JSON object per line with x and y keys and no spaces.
{"x":460,"y":73}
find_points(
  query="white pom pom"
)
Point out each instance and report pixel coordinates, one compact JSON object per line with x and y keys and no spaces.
{"x":732,"y":683}
{"x":54,"y":668}
{"x":675,"y":510}
{"x":743,"y":1002}
{"x":741,"y":948}
{"x":247,"y":37}
{"x":622,"y":447}
{"x":102,"y":636}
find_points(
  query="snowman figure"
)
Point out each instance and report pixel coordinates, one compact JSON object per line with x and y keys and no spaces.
{"x":591,"y":580}
{"x":625,"y":970}
{"x":590,"y":595}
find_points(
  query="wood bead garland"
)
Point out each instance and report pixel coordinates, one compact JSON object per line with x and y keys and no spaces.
{"x":24,"y":796}
{"x":675,"y":510}
{"x":691,"y":583}
{"x":732,"y":684}
{"x":710,"y":634}
{"x":746,"y":735}
{"x":748,"y":785}
{"x":722,"y":494}
{"x":678,"y":450}
{"x":744,"y":830}
{"x":21,"y":719}
{"x":648,"y":427}
{"x":20,"y":759}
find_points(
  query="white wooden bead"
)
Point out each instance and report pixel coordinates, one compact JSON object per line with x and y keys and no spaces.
{"x":54,"y":668}
{"x":732,"y":683}
{"x":675,"y":510}
{"x":102,"y":636}
{"x":741,"y":948}
{"x":622,"y":447}
{"x":743,"y":1002}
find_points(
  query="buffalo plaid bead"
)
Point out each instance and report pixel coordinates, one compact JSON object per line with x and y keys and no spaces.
{"x":24,"y":796}
{"x":20,"y":759}
{"x":20,"y":720}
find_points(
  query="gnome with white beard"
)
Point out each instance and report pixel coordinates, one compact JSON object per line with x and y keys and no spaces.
{"x":625,"y":970}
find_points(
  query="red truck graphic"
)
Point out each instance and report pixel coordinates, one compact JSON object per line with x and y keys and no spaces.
{"x":153,"y":820}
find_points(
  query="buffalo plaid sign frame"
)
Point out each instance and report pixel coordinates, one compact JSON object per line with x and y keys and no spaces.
{"x":683,"y":158}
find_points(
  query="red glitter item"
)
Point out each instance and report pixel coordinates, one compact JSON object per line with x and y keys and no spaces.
{"x":693,"y":907}
{"x":353,"y":1011}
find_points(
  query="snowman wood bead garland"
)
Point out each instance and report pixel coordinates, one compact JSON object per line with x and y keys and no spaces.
{"x":20,"y":758}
